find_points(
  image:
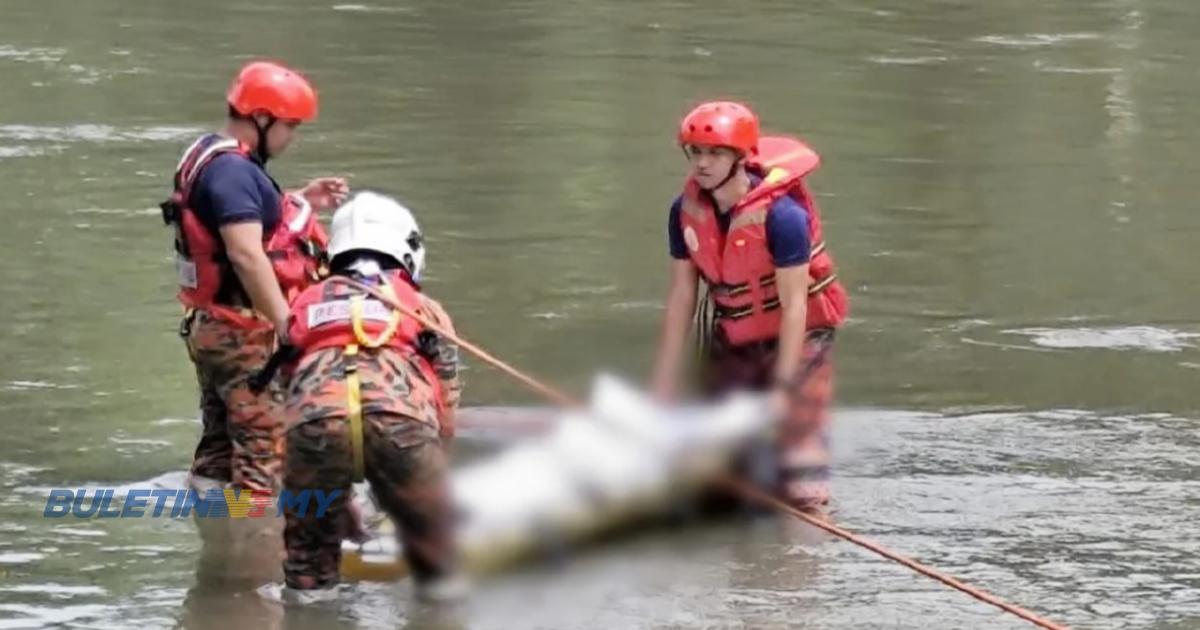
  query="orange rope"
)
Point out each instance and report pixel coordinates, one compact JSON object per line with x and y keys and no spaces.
{"x":549,"y":392}
{"x":758,"y":495}
{"x":738,"y":485}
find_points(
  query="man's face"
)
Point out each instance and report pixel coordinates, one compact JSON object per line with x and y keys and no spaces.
{"x":709,"y":165}
{"x":280,"y":136}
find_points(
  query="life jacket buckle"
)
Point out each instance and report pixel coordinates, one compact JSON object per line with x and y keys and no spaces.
{"x":185,"y":325}
{"x":171,"y":209}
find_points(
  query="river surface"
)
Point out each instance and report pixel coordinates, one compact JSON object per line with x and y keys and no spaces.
{"x":1008,"y":188}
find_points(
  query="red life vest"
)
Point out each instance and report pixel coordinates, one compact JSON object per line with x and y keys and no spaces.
{"x":321,"y":317}
{"x":334,"y":314}
{"x":296,"y":246}
{"x":737,"y":266}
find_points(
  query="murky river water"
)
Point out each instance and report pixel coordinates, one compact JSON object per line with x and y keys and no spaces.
{"x":1008,"y":189}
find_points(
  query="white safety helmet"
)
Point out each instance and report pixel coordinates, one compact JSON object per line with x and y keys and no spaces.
{"x":374,"y":222}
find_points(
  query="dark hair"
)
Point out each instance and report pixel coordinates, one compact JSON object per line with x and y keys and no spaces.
{"x":344,"y":259}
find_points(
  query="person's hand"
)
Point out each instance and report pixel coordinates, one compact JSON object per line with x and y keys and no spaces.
{"x":447,"y":422}
{"x":326,"y":193}
{"x":778,"y":402}
{"x":281,"y":334}
{"x":446,"y":427}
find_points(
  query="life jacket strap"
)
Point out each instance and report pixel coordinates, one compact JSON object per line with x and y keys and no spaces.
{"x":354,"y":409}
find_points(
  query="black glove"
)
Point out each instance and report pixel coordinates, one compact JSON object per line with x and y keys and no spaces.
{"x":427,"y":344}
{"x":262,"y":378}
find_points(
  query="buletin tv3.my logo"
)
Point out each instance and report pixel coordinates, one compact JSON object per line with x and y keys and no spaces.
{"x":184,"y":503}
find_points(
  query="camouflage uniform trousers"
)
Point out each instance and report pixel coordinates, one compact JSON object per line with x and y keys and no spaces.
{"x":239,"y":443}
{"x":403,"y":460}
{"x":800,"y":459}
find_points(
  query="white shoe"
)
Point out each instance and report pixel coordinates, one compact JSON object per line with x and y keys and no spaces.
{"x":282,"y":594}
{"x":272,"y":592}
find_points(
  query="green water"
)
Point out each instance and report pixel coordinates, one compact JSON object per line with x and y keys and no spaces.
{"x":1007,"y":188}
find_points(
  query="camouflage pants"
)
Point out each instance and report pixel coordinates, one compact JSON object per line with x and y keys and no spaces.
{"x":801,"y":454}
{"x":240,"y":439}
{"x":405,"y":464}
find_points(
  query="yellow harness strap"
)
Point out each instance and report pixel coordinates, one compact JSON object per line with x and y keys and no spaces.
{"x":354,"y":409}
{"x":356,"y":320}
{"x":353,"y":383}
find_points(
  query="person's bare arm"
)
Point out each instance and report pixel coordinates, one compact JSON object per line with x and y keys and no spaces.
{"x":244,"y":247}
{"x":676,"y":324}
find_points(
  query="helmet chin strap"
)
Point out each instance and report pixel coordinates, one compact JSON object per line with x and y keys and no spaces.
{"x":260,"y":151}
{"x":733,"y":169}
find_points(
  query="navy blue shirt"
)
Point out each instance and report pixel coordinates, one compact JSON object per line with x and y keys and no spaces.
{"x":234,"y":189}
{"x":787,"y":232}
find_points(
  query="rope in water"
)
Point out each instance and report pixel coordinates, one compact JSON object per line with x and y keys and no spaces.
{"x":739,"y":486}
{"x":758,"y":495}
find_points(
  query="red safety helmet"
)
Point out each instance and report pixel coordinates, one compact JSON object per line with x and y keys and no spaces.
{"x":264,"y":86}
{"x":721,"y":123}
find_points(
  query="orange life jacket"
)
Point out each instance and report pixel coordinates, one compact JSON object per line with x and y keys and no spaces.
{"x":324,"y":316}
{"x":738,"y":267}
{"x":334,"y":314}
{"x":296,"y":246}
